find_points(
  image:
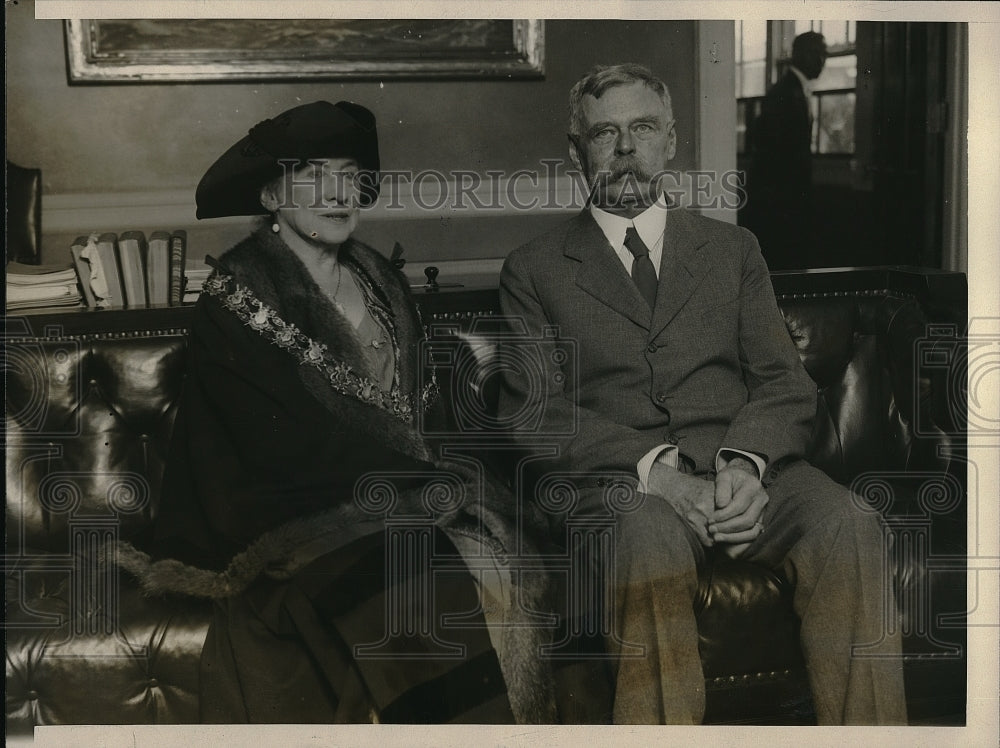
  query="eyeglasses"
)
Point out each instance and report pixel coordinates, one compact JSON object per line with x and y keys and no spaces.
{"x":643,"y":130}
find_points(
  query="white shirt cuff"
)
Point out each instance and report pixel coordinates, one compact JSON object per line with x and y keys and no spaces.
{"x":665,"y":454}
{"x":724,"y":455}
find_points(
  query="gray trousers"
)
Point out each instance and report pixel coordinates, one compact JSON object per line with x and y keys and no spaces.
{"x":828,"y":548}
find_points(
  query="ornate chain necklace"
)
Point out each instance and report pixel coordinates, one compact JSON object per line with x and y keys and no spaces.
{"x":333,"y":295}
{"x":376,"y":342}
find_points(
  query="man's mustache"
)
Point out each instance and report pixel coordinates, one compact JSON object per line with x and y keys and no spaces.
{"x":625,"y":166}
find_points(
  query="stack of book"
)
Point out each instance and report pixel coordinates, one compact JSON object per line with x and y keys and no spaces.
{"x":35,"y":286}
{"x":128,"y":271}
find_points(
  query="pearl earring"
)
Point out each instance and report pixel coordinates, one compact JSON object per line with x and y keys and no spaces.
{"x":275,"y":227}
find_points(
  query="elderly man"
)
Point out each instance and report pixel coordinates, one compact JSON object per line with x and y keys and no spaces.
{"x":686,"y":380}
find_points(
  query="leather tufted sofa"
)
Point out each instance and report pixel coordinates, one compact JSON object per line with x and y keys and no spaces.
{"x":91,"y":398}
{"x":24,"y":214}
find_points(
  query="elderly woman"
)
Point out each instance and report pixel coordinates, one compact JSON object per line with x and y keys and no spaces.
{"x":295,"y":457}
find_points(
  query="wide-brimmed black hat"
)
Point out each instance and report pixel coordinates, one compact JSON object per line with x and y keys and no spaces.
{"x":231,"y":186}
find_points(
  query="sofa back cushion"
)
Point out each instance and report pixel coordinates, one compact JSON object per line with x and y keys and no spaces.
{"x":89,"y":417}
{"x":88,"y":427}
{"x":860,"y":350}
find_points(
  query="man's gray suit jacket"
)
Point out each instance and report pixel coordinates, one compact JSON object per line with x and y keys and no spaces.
{"x":712,"y":365}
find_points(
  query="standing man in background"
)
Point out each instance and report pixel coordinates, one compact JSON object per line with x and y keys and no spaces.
{"x":779,"y":184}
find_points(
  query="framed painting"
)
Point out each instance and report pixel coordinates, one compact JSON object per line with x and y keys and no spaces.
{"x":208,"y":49}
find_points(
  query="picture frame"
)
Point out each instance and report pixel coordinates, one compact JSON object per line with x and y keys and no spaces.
{"x":203,"y":50}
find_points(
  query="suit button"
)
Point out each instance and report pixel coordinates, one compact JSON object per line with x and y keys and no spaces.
{"x":652,"y":347}
{"x":661,"y":397}
{"x":672,"y":439}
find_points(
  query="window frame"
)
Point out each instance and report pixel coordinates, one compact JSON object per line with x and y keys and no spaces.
{"x":780,"y":35}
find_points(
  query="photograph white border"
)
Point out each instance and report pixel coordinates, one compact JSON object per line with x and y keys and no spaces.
{"x":984,"y":302}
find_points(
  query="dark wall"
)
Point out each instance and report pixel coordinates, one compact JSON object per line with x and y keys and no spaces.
{"x":136,"y":137}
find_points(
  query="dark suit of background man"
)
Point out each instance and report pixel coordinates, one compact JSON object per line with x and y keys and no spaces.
{"x":687,"y":381}
{"x":779,"y":208}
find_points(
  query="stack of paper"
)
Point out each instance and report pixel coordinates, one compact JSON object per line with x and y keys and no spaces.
{"x":34,"y":286}
{"x":194,"y":277}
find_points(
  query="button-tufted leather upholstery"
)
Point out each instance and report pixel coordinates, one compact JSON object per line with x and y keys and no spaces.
{"x":88,"y":424}
{"x":90,"y":434}
{"x":89,"y":415}
{"x":74,"y":664}
{"x":24,"y":214}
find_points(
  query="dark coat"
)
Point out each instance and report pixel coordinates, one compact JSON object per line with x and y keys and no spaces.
{"x":262,"y":438}
{"x":273,"y":505}
{"x":781,"y":140}
{"x":779,"y":207}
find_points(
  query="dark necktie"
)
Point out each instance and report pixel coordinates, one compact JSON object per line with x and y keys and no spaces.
{"x":643,"y":272}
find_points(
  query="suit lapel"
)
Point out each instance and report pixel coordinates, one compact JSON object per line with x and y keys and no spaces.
{"x":601,"y":274}
{"x":799,"y":98}
{"x":682,"y":269}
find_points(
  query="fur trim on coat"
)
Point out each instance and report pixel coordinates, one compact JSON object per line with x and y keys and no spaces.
{"x":281,"y":553}
{"x":274,"y":275}
{"x":263,"y":264}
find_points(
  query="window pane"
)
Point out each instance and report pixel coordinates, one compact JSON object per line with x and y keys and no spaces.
{"x":839,"y":35}
{"x":752,"y":77}
{"x":754,"y":40}
{"x":835,"y":32}
{"x":802,"y":27}
{"x":835,"y":123}
{"x":751,"y":54}
{"x":839,"y":72}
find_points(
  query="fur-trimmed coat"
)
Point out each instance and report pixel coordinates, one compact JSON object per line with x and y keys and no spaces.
{"x":284,"y":451}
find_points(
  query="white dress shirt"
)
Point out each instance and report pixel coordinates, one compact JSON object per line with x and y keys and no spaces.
{"x":650,"y":225}
{"x":807,"y":85}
